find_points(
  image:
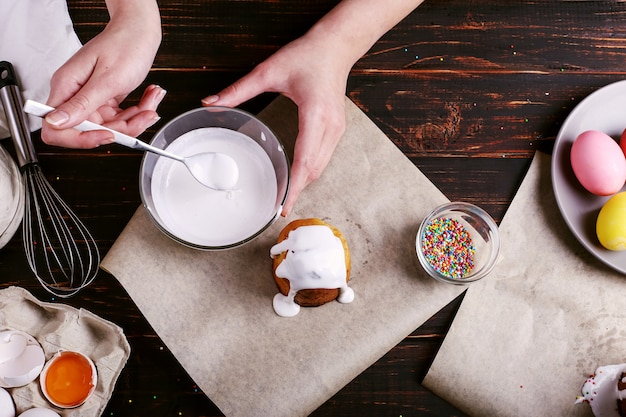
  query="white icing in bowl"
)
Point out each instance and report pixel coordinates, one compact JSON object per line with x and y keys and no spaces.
{"x":206,"y":217}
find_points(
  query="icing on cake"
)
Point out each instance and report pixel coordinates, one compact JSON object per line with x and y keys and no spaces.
{"x":605,"y":391}
{"x":315,"y":259}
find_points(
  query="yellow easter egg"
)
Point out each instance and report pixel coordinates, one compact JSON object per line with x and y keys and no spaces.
{"x":611,"y":223}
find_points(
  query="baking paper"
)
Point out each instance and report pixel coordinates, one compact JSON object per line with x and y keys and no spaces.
{"x":214,"y":309}
{"x":36,"y":37}
{"x":526,"y":337}
{"x":61,"y":327}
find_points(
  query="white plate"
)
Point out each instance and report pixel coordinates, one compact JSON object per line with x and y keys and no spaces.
{"x":604,"y":110}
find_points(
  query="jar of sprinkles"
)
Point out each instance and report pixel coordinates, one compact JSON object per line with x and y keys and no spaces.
{"x":458,"y":243}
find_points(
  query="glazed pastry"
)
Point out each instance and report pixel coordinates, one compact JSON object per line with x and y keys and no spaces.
{"x":605,"y":391}
{"x":311,"y":266}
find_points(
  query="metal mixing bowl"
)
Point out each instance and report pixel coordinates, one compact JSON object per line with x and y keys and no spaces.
{"x":196,"y":121}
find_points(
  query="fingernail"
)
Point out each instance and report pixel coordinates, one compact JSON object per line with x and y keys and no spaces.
{"x":153,"y":121}
{"x":57,"y":118}
{"x":107,"y":141}
{"x":162,"y":93}
{"x":210,"y":100}
{"x":158,"y":96}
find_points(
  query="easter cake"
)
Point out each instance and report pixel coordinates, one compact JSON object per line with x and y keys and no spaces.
{"x":605,"y":391}
{"x":311,"y":266}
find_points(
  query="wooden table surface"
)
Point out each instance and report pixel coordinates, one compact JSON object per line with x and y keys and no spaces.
{"x":468,"y":90}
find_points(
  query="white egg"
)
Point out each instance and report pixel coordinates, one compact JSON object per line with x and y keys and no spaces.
{"x":7,"y":408}
{"x":24,"y":364}
{"x":39,"y":412}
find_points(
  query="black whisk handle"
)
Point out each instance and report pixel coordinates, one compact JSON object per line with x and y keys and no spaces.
{"x":7,"y":74}
{"x":11,"y":99}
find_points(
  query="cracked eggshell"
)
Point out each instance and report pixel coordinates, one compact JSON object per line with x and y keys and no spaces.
{"x":68,"y":379}
{"x":7,"y":408}
{"x":20,"y":363}
{"x":12,"y":344}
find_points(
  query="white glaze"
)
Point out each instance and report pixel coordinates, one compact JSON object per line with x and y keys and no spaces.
{"x":601,"y":392}
{"x":215,"y":170}
{"x":214,"y":218}
{"x":315,"y":259}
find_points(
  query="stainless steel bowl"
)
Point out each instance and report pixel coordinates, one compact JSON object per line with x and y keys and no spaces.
{"x":209,"y":237}
{"x":11,"y":197}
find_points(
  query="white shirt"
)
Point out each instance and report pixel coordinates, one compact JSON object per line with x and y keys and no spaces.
{"x":36,"y":37}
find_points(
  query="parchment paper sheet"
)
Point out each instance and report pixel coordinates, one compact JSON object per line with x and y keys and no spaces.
{"x":527,"y":336}
{"x":214,"y":309}
{"x":61,"y":327}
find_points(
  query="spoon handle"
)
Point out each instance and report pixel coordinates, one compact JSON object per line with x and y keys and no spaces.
{"x":41,"y":110}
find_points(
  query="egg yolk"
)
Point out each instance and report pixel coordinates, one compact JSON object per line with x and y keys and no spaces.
{"x":69,"y":379}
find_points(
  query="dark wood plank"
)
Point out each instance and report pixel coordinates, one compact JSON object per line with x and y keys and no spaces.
{"x":467,"y":90}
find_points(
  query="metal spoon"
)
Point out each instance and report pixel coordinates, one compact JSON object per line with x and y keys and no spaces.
{"x":214,"y":170}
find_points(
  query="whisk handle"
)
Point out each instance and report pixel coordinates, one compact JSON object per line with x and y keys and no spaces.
{"x":11,"y":99}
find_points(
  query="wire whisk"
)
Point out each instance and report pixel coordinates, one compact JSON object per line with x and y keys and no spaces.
{"x":60,"y":250}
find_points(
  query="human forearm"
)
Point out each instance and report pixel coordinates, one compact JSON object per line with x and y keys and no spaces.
{"x":93,"y":82}
{"x":148,"y":10}
{"x":353,"y":26}
{"x":140,"y":15}
{"x":312,"y":71}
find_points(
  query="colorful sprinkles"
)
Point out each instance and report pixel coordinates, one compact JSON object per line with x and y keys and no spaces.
{"x":448,"y":247}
